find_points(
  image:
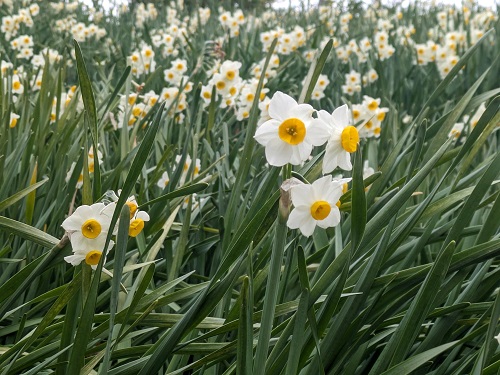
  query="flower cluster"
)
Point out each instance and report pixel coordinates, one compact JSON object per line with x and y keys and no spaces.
{"x":145,"y":13}
{"x":165,"y":179}
{"x":291,"y":133}
{"x":12,"y":24}
{"x":370,"y":116}
{"x":316,"y":204}
{"x":458,"y":127}
{"x":88,"y":227}
{"x":142,"y":61}
{"x":287,"y":42}
{"x":232,"y":22}
{"x":91,"y":166}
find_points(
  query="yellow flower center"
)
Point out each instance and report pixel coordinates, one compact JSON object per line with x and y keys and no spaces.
{"x":220,"y":85}
{"x":133,"y":208}
{"x":13,"y":123}
{"x":350,"y":139}
{"x":16,"y":85}
{"x":381,"y":116}
{"x":292,"y":131}
{"x":373,"y":106}
{"x":320,"y":210}
{"x":91,"y":228}
{"x":230,"y":75}
{"x":136,"y":227}
{"x":93,"y":257}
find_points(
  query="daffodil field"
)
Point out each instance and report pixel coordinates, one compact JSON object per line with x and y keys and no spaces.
{"x":219,"y":188}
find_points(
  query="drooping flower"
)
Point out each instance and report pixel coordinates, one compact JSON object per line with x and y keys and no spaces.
{"x":316,"y":204}
{"x":137,"y":223}
{"x":90,"y":252}
{"x":286,"y":135}
{"x":13,"y":120}
{"x":342,"y":138}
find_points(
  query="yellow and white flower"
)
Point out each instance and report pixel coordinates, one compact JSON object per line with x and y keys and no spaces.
{"x":316,"y":204}
{"x":86,"y":225}
{"x":285,"y":136}
{"x":90,"y":252}
{"x":342,"y":138}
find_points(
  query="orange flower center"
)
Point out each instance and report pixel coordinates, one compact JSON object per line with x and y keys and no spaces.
{"x":91,"y":228}
{"x":133,"y":208}
{"x":292,"y":131}
{"x":136,"y":227}
{"x":93,"y":257}
{"x":350,"y":139}
{"x":320,"y":210}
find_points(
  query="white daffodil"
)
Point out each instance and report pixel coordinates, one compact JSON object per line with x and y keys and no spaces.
{"x":316,"y":204}
{"x":342,"y":138}
{"x":87,"y":224}
{"x":90,"y":252}
{"x":286,"y":135}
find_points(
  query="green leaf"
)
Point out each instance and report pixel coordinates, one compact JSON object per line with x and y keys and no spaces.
{"x":244,"y":353}
{"x":411,"y":364}
{"x":314,"y":71}
{"x":121,"y":249}
{"x":91,"y":113}
{"x":402,"y":339}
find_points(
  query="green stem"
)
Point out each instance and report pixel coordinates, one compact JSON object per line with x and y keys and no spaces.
{"x":273,"y":279}
{"x":86,"y":280}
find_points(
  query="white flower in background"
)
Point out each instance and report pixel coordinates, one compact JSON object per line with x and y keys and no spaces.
{"x":342,"y":138}
{"x":13,"y":120}
{"x":285,"y":137}
{"x":456,"y":131}
{"x":316,"y":204}
{"x":163,"y":181}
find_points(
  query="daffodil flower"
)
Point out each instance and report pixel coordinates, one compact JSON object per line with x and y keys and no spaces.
{"x":137,"y":223}
{"x":316,"y":204}
{"x":90,"y":252}
{"x":286,"y":135}
{"x":341,"y":137}
{"x":87,"y":224}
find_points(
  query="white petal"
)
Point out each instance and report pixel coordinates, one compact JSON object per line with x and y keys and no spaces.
{"x":302,"y":195}
{"x":75,"y":221}
{"x":329,"y":160}
{"x":334,"y":193}
{"x":278,"y":153}
{"x":280,"y":106}
{"x":303,"y":112}
{"x":304,"y":150}
{"x":307,"y":227}
{"x":267,"y":131}
{"x":320,"y":187}
{"x":75,"y":259}
{"x":325,"y":117}
{"x":344,"y":161}
{"x":341,"y":116}
{"x":142,"y":215}
{"x":318,"y":132}
{"x":298,"y":217}
{"x":332,"y":220}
